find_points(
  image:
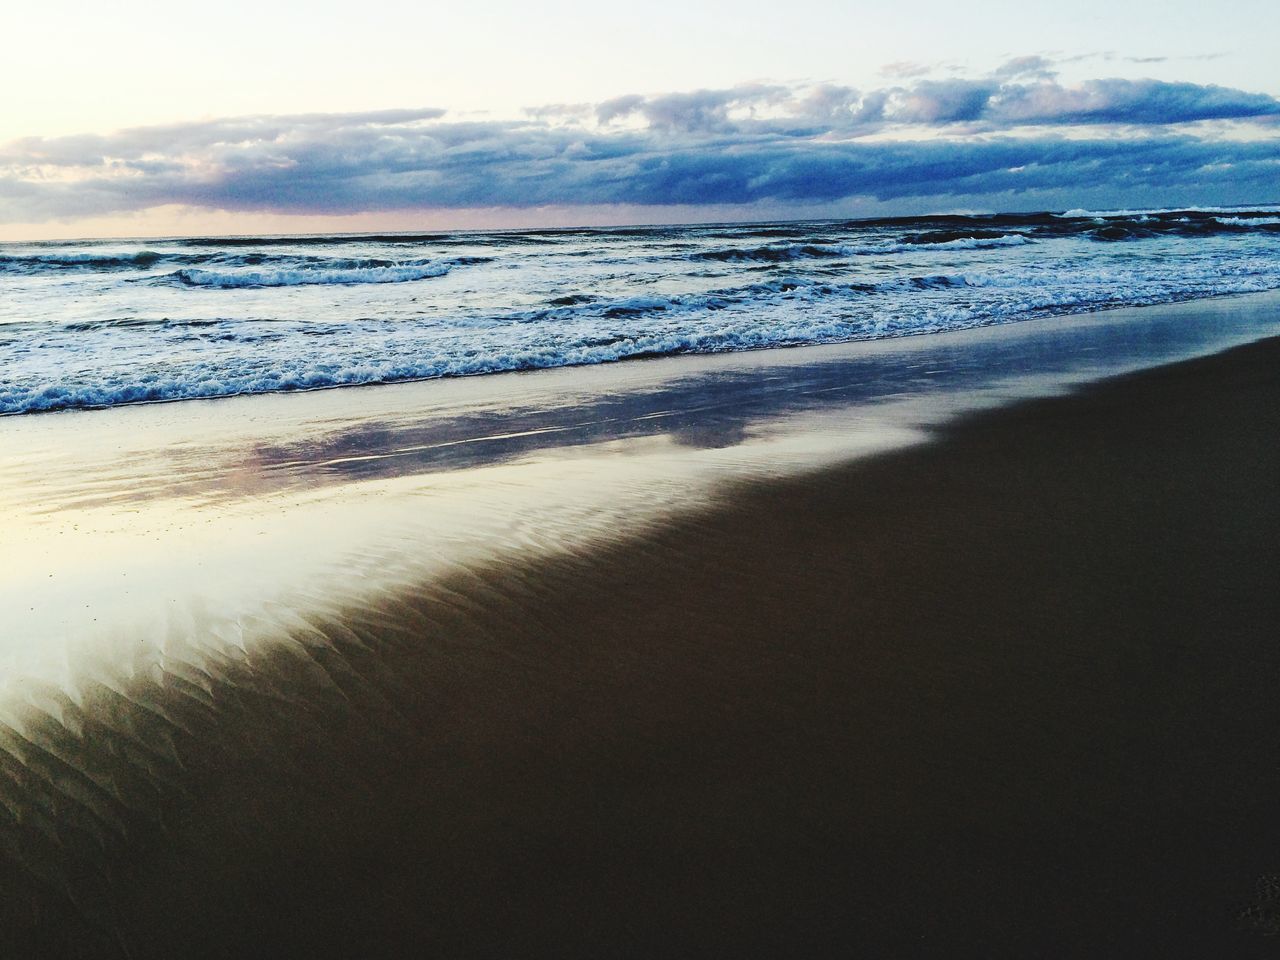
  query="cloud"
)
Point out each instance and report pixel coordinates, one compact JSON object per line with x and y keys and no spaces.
{"x":1020,"y":93}
{"x":942,"y":101}
{"x":759,"y":144}
{"x":1110,"y":55}
{"x":173,"y":140}
{"x":905,"y":69}
{"x":1032,"y":67}
{"x":701,"y":111}
{"x":1126,"y":101}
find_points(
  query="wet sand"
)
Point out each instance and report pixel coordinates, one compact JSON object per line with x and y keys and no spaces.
{"x":1009,"y":693}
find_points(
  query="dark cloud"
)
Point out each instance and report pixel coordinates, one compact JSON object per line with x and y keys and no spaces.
{"x":943,"y":101}
{"x":1020,"y":93}
{"x":1145,"y":102}
{"x":746,"y":145}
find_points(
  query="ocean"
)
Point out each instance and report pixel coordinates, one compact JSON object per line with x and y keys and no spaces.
{"x":99,"y":323}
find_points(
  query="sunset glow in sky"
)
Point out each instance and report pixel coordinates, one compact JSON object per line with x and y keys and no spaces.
{"x":142,"y":118}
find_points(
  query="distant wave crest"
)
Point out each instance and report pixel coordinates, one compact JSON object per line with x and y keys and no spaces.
{"x":43,"y":262}
{"x":226,"y":270}
{"x":941,"y":240}
{"x":308,"y":276}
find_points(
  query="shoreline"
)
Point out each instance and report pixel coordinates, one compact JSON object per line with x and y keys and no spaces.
{"x":1007,"y":691}
{"x":771,"y":351}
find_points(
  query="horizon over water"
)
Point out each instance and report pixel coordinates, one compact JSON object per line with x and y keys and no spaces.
{"x":100,"y":323}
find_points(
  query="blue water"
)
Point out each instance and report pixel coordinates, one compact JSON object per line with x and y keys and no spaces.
{"x":99,"y":323}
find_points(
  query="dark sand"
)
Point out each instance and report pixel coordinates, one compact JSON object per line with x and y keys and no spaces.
{"x":1015,"y":693}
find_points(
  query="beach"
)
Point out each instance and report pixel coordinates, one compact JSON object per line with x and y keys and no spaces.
{"x":691,"y":661}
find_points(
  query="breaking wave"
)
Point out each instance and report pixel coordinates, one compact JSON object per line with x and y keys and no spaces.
{"x":942,"y":240}
{"x":307,"y":276}
{"x":224,"y":269}
{"x":98,"y":323}
{"x":63,"y":261}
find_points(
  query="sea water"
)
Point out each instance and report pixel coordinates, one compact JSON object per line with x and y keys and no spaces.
{"x":98,"y":323}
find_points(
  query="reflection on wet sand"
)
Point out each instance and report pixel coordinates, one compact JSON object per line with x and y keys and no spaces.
{"x":261,"y":657}
{"x":212,"y":451}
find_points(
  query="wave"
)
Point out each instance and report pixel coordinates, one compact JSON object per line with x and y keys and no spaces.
{"x":1144,"y":225}
{"x":278,"y":269}
{"x":328,"y":274}
{"x":1266,"y":208}
{"x":965,"y":240}
{"x":1255,"y":220}
{"x":762,"y":294}
{"x":775,"y":253}
{"x":162,"y":331}
{"x":305,"y":240}
{"x":469,"y":237}
{"x":1147,"y":228}
{"x":820,"y":250}
{"x":89,"y":261}
{"x":153,"y":323}
{"x":294,"y":261}
{"x":686,"y":329}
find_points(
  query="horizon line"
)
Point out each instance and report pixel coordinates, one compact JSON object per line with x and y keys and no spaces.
{"x":1259,"y":206}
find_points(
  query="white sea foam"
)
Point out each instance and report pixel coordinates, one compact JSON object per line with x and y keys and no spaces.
{"x":307,"y":276}
{"x":979,"y":243}
{"x":79,"y":330}
{"x":779,"y":252}
{"x":1249,"y":221}
{"x":1158,"y":211}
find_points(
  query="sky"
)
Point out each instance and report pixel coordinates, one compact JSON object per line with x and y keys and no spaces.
{"x":143,"y":118}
